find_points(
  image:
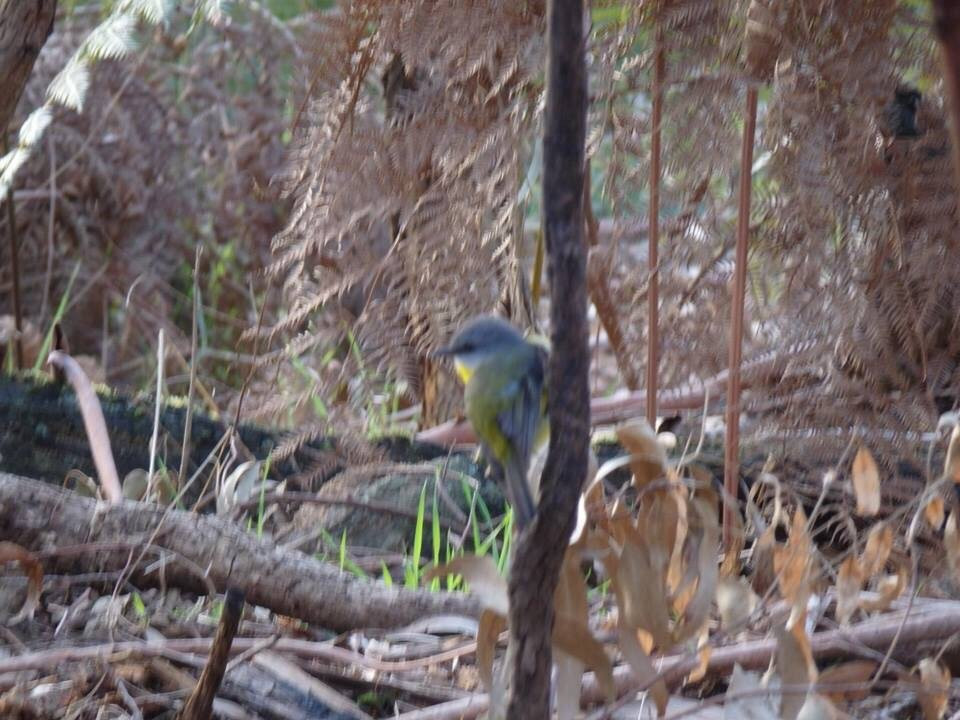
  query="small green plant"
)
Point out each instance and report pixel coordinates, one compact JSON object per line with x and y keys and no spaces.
{"x":57,"y":317}
{"x":139,"y":608}
{"x":412,"y":571}
{"x":344,"y":561}
{"x":435,"y":529}
{"x":261,"y":512}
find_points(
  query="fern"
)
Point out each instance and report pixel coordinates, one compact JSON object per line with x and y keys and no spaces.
{"x":112,"y":39}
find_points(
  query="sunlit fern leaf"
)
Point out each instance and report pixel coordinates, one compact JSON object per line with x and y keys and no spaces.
{"x":153,"y":11}
{"x":35,"y":125}
{"x":9,"y":165}
{"x":113,"y":39}
{"x":215,"y":10}
{"x":69,"y":88}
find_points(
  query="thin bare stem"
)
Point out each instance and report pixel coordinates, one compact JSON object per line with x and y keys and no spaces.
{"x":14,"y":269}
{"x":94,"y":423}
{"x":188,"y":420}
{"x":653,"y":242}
{"x":731,"y":467}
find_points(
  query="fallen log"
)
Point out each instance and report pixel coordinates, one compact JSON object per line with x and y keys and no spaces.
{"x":204,"y":551}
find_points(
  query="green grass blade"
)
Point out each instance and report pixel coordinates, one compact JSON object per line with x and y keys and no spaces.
{"x":412,"y":579}
{"x":57,"y":317}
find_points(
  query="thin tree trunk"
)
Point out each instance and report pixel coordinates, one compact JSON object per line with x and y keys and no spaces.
{"x":946,"y":24}
{"x":24,"y":28}
{"x":541,"y":545}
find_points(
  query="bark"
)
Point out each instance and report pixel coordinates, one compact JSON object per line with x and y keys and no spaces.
{"x":207,"y":551}
{"x":200,"y":703}
{"x":25,"y":26}
{"x":541,"y":545}
{"x":946,"y":25}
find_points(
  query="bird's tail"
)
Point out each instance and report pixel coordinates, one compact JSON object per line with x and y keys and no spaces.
{"x":518,"y":493}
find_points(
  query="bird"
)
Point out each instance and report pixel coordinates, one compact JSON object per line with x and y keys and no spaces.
{"x":505,"y":395}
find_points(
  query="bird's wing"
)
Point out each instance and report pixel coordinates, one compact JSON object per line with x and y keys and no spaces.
{"x":520,"y":420}
{"x":518,"y":423}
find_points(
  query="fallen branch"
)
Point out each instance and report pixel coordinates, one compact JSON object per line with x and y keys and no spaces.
{"x":176,"y":649}
{"x":38,"y":517}
{"x":935,"y":621}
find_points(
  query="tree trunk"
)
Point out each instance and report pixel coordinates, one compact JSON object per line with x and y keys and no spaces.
{"x":24,"y":28}
{"x":540,"y":547}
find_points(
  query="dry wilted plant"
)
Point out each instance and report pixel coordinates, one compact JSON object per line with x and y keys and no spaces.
{"x":657,"y":542}
{"x":410,"y":181}
{"x":407,"y":173}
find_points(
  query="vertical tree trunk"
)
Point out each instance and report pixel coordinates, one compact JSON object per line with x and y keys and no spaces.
{"x":541,"y":546}
{"x":24,"y":28}
{"x":946,"y":25}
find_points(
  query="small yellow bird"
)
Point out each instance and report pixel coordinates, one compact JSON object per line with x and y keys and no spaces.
{"x":506,"y":400}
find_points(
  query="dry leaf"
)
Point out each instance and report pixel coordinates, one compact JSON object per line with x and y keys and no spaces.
{"x":575,"y":639}
{"x":793,"y":563}
{"x":866,"y":483}
{"x":642,"y":667}
{"x":817,"y":707}
{"x":731,"y":555}
{"x":648,"y":461}
{"x":480,"y":573}
{"x":794,"y":664}
{"x":736,"y":601}
{"x":31,"y":339}
{"x":642,"y":596}
{"x":951,"y":543}
{"x":703,"y":663}
{"x":951,"y":466}
{"x":571,"y":631}
{"x":703,"y":541}
{"x":934,"y":689}
{"x":762,"y":554}
{"x":848,"y":673}
{"x":745,"y":699}
{"x":888,"y":589}
{"x":933,"y":512}
{"x":11,"y":552}
{"x":849,"y":582}
{"x":569,"y":672}
{"x":877,"y":550}
{"x":488,"y":633}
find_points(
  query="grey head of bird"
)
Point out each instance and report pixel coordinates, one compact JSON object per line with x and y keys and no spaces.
{"x":482,"y":338}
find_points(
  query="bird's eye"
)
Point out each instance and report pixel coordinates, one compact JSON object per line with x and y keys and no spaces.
{"x":467,"y":347}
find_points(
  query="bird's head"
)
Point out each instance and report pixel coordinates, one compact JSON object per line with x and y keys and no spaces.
{"x":482,"y":339}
